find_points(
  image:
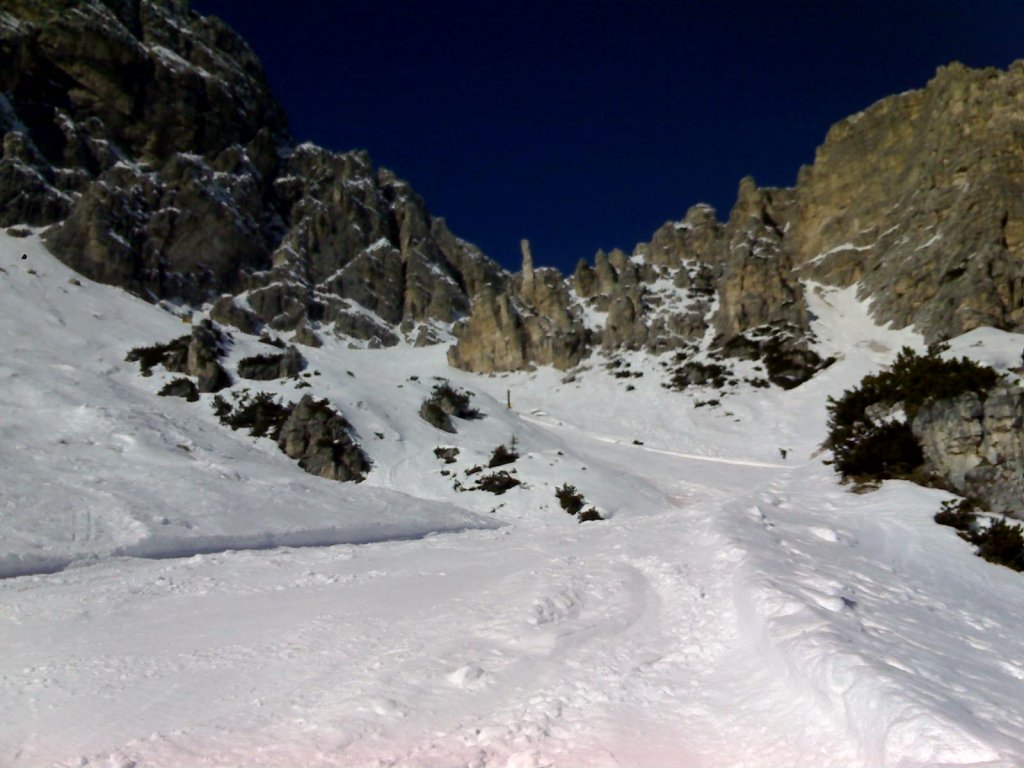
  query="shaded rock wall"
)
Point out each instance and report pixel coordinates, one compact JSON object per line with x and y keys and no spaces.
{"x":147,"y":135}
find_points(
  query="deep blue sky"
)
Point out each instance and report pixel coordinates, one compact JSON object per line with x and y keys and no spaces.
{"x":586,"y":125}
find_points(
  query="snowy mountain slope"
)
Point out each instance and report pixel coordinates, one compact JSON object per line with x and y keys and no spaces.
{"x":95,"y":465}
{"x":739,"y":609}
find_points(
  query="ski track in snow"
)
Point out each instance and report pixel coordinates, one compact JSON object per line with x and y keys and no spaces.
{"x":735,"y":611}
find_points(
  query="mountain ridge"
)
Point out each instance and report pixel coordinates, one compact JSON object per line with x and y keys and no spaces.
{"x":217,"y":197}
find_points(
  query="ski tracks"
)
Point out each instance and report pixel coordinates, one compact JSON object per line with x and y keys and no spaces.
{"x":828,"y":628}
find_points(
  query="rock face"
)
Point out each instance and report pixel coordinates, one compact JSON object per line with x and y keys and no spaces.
{"x":205,"y":348}
{"x":698,"y":285}
{"x":146,"y":132}
{"x":978,"y":446}
{"x":318,"y":438}
{"x":920,"y":198}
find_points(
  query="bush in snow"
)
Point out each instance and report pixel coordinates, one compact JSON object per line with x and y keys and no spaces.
{"x":572,"y":502}
{"x":957,"y":514}
{"x":444,"y":402}
{"x":171,"y":355}
{"x":446,"y":454}
{"x":503,"y":454}
{"x":1002,"y":543}
{"x":497,"y":482}
{"x":867,"y":446}
{"x":570,"y":499}
{"x":180,"y":387}
{"x":261,"y":414}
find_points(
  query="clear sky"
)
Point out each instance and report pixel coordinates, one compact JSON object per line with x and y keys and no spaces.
{"x":585,"y":124}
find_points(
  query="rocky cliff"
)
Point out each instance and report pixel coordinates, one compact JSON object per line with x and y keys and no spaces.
{"x":976,"y":444}
{"x":919,"y":200}
{"x":146,"y":135}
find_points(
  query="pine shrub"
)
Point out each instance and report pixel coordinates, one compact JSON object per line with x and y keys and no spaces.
{"x":569,"y":498}
{"x":261,"y":414}
{"x":497,"y":482}
{"x":1002,"y":543}
{"x":865,"y":448}
{"x":502,"y":455}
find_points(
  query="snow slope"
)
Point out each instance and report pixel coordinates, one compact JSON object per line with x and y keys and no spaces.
{"x":738,"y":609}
{"x":95,"y":465}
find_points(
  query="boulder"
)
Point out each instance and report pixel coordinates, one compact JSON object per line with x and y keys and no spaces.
{"x":319,"y":438}
{"x":977,"y":445}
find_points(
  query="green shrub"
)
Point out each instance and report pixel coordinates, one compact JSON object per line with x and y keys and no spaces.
{"x":590,"y":515}
{"x":503,"y":455}
{"x":957,"y":514}
{"x":453,"y":401}
{"x":570,"y":499}
{"x":171,"y":355}
{"x":180,"y":387}
{"x":882,"y":451}
{"x":261,"y":414}
{"x":446,"y":401}
{"x":699,"y":374}
{"x":864,"y":448}
{"x":1002,"y":543}
{"x":221,"y":408}
{"x":497,"y":482}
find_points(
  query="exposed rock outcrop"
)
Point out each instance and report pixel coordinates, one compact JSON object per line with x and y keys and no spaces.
{"x":977,"y":445}
{"x":532,"y":322}
{"x":319,"y":439}
{"x":920,"y":198}
{"x":729,"y":288}
{"x":147,"y":133}
{"x":195,"y":355}
{"x":205,"y":348}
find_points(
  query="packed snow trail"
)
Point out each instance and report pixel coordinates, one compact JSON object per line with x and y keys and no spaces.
{"x":492,"y":648}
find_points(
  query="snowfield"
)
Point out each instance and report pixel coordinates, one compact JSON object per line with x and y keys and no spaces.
{"x":182,"y":595}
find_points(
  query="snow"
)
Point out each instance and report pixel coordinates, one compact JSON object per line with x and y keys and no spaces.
{"x":999,"y":349}
{"x":841,"y":248}
{"x":740,"y":608}
{"x":928,"y":243}
{"x":91,"y":459}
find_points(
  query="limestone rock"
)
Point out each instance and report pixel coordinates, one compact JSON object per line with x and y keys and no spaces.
{"x":147,"y":134}
{"x":492,"y":339}
{"x":434,"y":415}
{"x":978,"y":445}
{"x":204,"y":348}
{"x":319,"y":438}
{"x":227,"y":311}
{"x":306,"y":336}
{"x":920,"y":198}
{"x":758,"y":286}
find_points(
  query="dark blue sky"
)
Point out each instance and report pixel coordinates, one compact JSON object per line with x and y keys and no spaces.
{"x":585,"y":125}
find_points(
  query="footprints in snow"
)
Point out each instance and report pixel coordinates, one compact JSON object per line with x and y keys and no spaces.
{"x":813,"y":590}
